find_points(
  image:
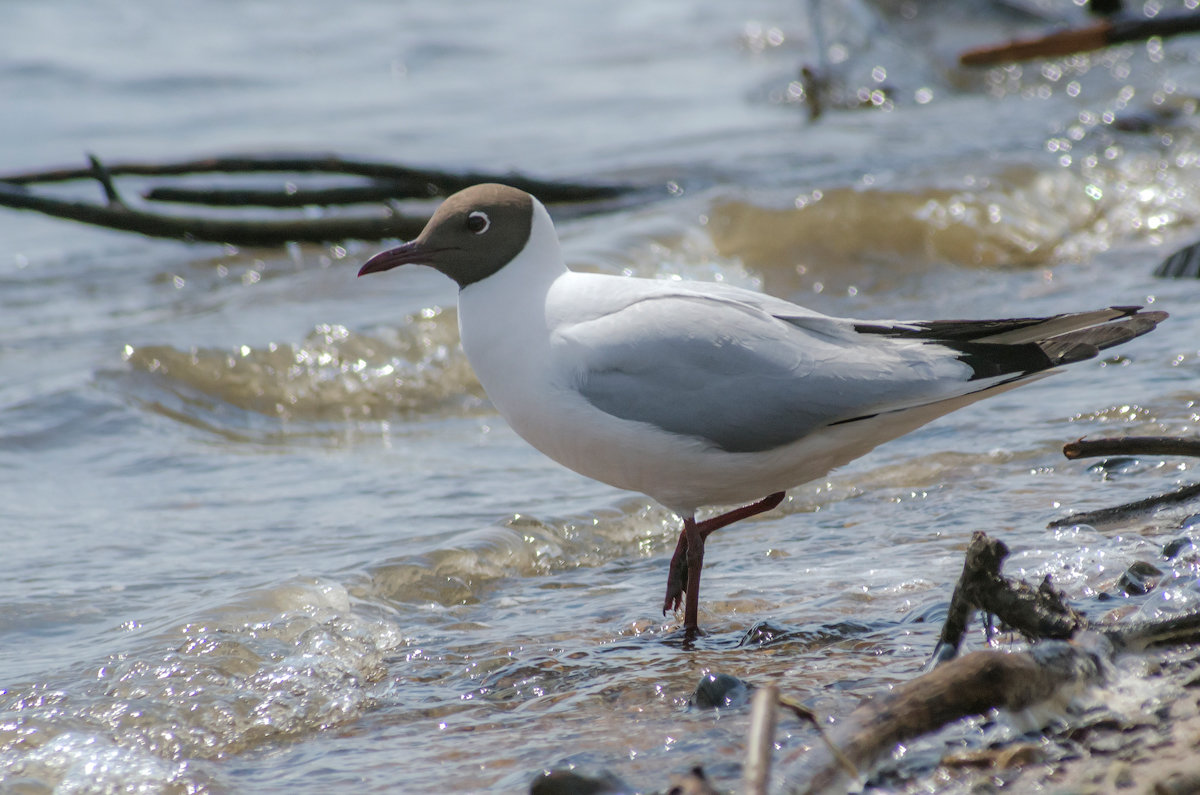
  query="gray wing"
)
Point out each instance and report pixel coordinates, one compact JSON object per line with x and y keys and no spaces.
{"x":743,"y":379}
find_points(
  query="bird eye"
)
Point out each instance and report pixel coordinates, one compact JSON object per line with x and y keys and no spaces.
{"x":478,"y":222}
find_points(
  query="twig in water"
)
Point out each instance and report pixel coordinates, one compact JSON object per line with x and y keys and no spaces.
{"x":1128,"y":510}
{"x":760,"y":742}
{"x":1092,"y":37}
{"x":217,"y":230}
{"x":971,"y":685}
{"x":1034,"y":612}
{"x":102,"y":175}
{"x":807,"y":715}
{"x":1132,"y":445}
{"x":420,"y":182}
{"x":386,"y":181}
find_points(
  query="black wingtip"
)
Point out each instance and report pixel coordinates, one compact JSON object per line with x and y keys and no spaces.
{"x":1023,"y":346}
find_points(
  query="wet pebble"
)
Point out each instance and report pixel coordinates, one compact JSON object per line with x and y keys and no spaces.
{"x":1140,"y":578}
{"x":1178,"y":783}
{"x":1172,"y":548}
{"x":568,"y":782}
{"x":1145,"y":121}
{"x":694,"y":783}
{"x":719,"y":691}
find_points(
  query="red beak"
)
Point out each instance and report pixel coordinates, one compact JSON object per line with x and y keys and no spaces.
{"x":408,"y":254}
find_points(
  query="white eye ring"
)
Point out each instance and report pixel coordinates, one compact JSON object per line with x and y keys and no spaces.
{"x":473,"y":222}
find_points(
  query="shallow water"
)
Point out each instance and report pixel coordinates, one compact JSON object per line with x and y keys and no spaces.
{"x":260,"y":528}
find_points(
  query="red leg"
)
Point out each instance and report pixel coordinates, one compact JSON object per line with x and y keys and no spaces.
{"x":691,"y":546}
{"x":738,"y":514}
{"x":695,"y":562}
{"x":676,"y":573}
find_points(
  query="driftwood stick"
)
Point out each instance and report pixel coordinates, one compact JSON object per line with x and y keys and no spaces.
{"x":808,"y":716}
{"x":215,"y":230}
{"x":421,"y":182}
{"x":1176,"y":630}
{"x":1132,"y":445}
{"x":1034,"y":612}
{"x":104,"y":177}
{"x":1051,"y":672}
{"x":1063,"y":42}
{"x":1042,"y":613}
{"x":1128,"y":510}
{"x":386,"y":182}
{"x":1092,"y":37}
{"x":971,"y":685}
{"x":374,"y":192}
{"x":760,"y":742}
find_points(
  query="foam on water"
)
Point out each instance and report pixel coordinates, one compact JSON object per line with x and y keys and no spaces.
{"x":277,"y":665}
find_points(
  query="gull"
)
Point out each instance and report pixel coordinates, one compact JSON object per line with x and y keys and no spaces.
{"x":704,"y":394}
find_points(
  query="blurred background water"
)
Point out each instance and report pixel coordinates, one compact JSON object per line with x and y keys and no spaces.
{"x":260,"y":529}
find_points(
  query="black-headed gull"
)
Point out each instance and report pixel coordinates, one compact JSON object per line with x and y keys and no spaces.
{"x":699,"y":393}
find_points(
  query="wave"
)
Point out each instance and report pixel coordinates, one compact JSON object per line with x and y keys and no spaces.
{"x":334,"y":375}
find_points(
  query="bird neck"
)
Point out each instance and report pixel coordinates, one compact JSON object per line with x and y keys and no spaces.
{"x":503,"y":318}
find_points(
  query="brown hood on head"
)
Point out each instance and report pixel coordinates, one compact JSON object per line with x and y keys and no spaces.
{"x":473,"y":234}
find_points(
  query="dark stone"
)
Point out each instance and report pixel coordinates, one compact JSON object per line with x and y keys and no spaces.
{"x":719,"y":691}
{"x":1173,"y":547}
{"x":568,"y":782}
{"x":1140,"y":578}
{"x":693,"y":783}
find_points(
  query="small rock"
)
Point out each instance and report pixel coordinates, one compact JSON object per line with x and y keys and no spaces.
{"x":694,"y":783}
{"x":1140,"y":578}
{"x":1173,"y":547}
{"x":719,"y":691}
{"x":568,"y":782}
{"x":1177,"y":783}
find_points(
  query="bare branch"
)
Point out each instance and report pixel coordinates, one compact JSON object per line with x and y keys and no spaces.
{"x":1132,"y":445}
{"x":409,"y":182}
{"x":1092,"y":37}
{"x":103,"y":176}
{"x":214,"y":230}
{"x":971,"y":685}
{"x":1189,"y":491}
{"x":386,"y":182}
{"x":760,"y":743}
{"x":376,"y":192}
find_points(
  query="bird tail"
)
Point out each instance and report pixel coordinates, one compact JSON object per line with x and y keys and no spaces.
{"x":1021,"y":346}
